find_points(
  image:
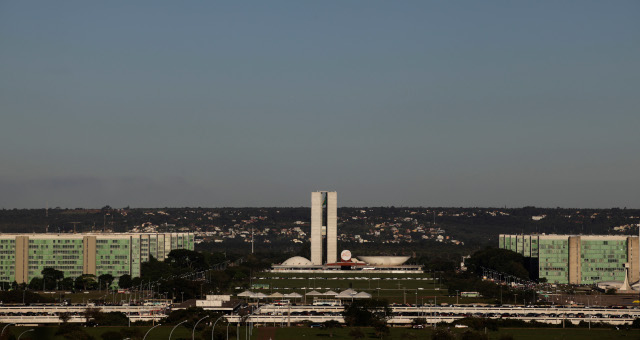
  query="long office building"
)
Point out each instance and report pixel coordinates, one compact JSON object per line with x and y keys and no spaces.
{"x":24,"y":256}
{"x":578,"y":259}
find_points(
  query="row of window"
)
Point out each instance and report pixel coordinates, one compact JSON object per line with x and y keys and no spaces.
{"x":59,"y":267}
{"x":64,"y":246}
{"x":114,"y":246}
{"x":555,"y":274}
{"x":52,"y":262}
{"x":607,"y":269}
{"x":107,"y":268}
{"x":113,"y":262}
{"x":618,"y":243}
{"x":112,"y":241}
{"x":601,"y":259}
{"x":54,"y":241}
{"x":66,"y":252}
{"x":554,"y":268}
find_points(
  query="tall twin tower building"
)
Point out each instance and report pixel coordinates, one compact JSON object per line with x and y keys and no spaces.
{"x":324,"y":222}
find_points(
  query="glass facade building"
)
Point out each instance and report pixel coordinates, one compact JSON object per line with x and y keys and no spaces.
{"x":578,"y":259}
{"x":24,"y":256}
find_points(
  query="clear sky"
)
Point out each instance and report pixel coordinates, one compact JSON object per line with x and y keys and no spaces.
{"x":405,"y":103}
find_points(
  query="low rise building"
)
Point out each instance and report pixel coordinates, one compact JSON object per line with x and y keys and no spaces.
{"x":24,"y":256}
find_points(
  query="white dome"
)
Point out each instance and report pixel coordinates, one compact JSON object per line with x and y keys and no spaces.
{"x":384,"y":260}
{"x":297,"y":261}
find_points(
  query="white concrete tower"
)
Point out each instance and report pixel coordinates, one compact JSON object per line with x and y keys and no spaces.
{"x":332,"y":227}
{"x":316,"y":228}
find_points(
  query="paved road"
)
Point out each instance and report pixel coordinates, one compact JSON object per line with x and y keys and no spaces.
{"x":405,"y":315}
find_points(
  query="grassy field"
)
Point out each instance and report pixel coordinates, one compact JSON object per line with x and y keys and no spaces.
{"x":297,"y":333}
{"x":48,"y":333}
{"x":406,"y":333}
{"x":397,"y":288}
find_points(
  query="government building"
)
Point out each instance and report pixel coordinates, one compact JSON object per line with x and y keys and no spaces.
{"x":578,"y":259}
{"x":24,"y":256}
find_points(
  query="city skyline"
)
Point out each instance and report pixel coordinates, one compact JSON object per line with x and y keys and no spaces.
{"x":163,"y":104}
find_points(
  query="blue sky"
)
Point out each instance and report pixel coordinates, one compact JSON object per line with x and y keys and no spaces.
{"x":412,"y":103}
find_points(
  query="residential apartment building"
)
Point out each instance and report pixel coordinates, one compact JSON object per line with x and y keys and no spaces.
{"x":578,"y":259}
{"x":24,"y":256}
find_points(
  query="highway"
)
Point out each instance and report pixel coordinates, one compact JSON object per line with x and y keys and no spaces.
{"x":402,"y":315}
{"x":40,"y":314}
{"x":277,"y":314}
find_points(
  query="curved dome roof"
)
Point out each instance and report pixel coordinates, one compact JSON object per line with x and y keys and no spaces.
{"x":384,"y":260}
{"x":297,"y":261}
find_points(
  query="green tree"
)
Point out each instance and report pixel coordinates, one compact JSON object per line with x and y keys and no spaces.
{"x":105,"y":280}
{"x":366,"y":312}
{"x":502,"y":260}
{"x":36,"y":283}
{"x":330,"y":325}
{"x":64,"y":316}
{"x":442,"y":334}
{"x":189,"y":259}
{"x":111,"y":319}
{"x":125,"y":281}
{"x":86,"y":282}
{"x":136,"y":281}
{"x":381,"y":328}
{"x":51,"y":277}
{"x":91,"y":314}
{"x":67,"y":283}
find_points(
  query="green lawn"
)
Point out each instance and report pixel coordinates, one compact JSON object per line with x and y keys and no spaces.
{"x":406,"y":333}
{"x":397,"y":288}
{"x":47,"y":333}
{"x":567,"y":334}
{"x":297,"y":333}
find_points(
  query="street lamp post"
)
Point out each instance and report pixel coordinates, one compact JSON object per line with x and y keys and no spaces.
{"x":174,"y":328}
{"x":29,"y":330}
{"x":193,"y":333}
{"x":228,"y":323}
{"x":147,"y":333}
{"x":457,"y":296}
{"x":214,"y":326}
{"x":3,"y":328}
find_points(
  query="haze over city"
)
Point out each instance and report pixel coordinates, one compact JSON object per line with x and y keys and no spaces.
{"x":153,"y":104}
